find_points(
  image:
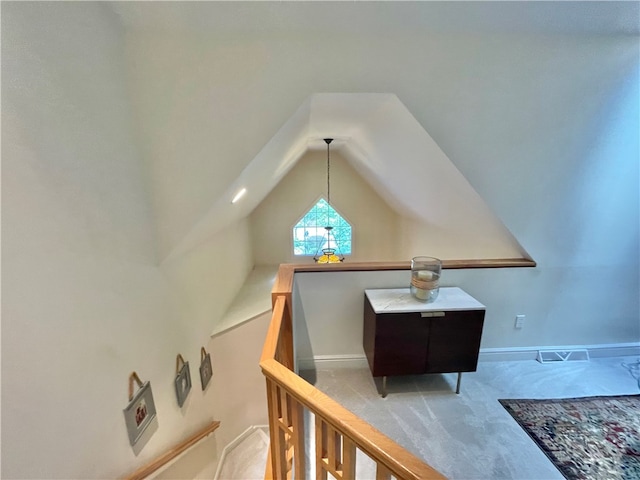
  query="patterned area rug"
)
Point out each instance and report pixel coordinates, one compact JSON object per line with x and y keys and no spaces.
{"x":585,"y":438}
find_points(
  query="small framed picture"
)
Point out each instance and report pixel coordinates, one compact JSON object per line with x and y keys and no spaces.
{"x":205,"y":368}
{"x":183,"y":382}
{"x":139,"y":413}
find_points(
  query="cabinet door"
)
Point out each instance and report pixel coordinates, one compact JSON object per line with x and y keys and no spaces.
{"x":454,"y":342}
{"x":400,"y":344}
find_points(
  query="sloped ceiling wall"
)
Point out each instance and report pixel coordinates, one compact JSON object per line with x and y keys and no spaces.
{"x":387,"y":146}
{"x":213,"y":83}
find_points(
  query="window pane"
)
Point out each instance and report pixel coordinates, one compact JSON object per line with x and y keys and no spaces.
{"x":310,"y":236}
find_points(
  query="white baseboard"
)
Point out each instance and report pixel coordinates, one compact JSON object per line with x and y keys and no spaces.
{"x":333,"y":361}
{"x":530,"y":353}
{"x":508,"y":354}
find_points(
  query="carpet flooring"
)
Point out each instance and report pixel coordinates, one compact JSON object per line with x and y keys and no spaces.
{"x":471,"y":436}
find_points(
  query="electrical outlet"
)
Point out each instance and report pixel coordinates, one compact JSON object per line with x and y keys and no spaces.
{"x":519,"y":321}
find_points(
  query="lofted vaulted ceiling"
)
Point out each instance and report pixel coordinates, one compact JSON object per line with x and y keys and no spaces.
{"x":587,"y":17}
{"x":231,"y":94}
{"x":385,"y":144}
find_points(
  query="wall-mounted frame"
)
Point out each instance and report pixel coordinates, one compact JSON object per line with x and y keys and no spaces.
{"x":206,"y":371}
{"x":141,"y":409}
{"x":183,"y":380}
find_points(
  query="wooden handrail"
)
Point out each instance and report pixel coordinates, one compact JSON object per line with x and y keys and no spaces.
{"x":406,"y":265}
{"x":283,"y":284}
{"x":173,"y":452}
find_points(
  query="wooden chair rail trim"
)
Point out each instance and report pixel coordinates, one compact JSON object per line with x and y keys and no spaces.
{"x":284,"y":281}
{"x":371,"y":441}
{"x":173,"y":452}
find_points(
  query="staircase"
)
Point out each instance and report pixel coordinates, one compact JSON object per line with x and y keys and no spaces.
{"x":246,"y":457}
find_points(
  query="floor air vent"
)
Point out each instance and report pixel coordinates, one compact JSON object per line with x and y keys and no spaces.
{"x":555,"y":356}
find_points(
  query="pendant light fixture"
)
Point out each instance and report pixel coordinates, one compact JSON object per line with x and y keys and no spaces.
{"x":329,"y":254}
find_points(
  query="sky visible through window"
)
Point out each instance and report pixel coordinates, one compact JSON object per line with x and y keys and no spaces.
{"x":309,"y":234}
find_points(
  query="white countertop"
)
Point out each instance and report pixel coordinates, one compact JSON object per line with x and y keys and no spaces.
{"x":400,"y":300}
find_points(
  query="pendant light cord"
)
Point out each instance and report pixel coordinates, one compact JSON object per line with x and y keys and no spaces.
{"x":328,"y":175}
{"x":328,"y":140}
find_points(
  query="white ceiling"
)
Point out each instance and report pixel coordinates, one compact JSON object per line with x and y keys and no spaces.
{"x":420,"y":182}
{"x":236,"y":70}
{"x":588,"y":17}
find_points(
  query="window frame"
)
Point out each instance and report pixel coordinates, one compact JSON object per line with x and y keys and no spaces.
{"x":299,"y":219}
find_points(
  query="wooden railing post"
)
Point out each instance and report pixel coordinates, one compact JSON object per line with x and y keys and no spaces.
{"x":286,"y":339}
{"x":275,"y":449}
{"x":297,"y":418}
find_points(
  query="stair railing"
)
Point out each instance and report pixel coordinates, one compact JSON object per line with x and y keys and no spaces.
{"x":338,"y":432}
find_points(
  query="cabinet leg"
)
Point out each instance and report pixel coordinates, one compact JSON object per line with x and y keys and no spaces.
{"x":458,"y":384}
{"x":384,"y":387}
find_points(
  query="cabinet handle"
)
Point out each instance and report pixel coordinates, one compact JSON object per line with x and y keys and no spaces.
{"x":432,"y":314}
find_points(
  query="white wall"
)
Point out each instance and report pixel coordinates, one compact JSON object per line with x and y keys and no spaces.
{"x":236,"y":395}
{"x":83,"y":304}
{"x":206,"y":279}
{"x":417,"y":237}
{"x":202,"y":285}
{"x":560,"y":310}
{"x":374,"y":223}
{"x":84,"y":300}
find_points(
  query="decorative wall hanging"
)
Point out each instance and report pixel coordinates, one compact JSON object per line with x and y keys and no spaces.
{"x":140,"y":411}
{"x":183,"y":380}
{"x":205,"y":368}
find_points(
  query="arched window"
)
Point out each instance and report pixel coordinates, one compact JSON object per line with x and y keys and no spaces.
{"x":309,"y":234}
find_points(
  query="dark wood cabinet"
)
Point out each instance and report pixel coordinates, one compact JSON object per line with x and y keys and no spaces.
{"x":403,"y":336}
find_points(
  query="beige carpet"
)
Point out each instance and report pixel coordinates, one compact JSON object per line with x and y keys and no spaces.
{"x":471,"y":436}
